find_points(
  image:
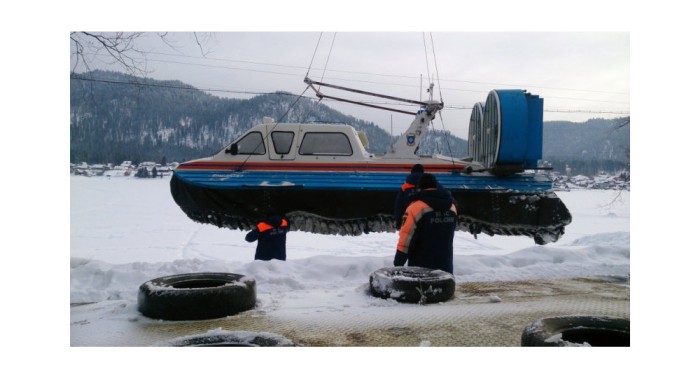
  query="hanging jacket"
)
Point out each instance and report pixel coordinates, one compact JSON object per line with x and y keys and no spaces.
{"x":428,"y":231}
{"x":271,"y":235}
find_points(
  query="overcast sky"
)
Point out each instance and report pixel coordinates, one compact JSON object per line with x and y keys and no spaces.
{"x":580,"y":75}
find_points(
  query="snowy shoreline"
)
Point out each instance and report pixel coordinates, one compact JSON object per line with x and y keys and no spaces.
{"x":126,"y":231}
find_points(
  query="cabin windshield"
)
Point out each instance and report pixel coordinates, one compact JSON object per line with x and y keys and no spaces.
{"x":251,"y":143}
{"x":282,"y":142}
{"x":316,"y":143}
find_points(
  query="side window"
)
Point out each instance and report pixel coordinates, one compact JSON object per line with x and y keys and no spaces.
{"x":325,"y":144}
{"x":282,"y":141}
{"x":252,"y":143}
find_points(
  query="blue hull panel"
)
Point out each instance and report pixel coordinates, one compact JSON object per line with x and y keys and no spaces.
{"x":352,"y":203}
{"x":217,"y":179}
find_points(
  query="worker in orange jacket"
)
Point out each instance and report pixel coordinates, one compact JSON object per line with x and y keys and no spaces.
{"x":271,"y":235}
{"x":406,"y":193}
{"x":428,"y":228}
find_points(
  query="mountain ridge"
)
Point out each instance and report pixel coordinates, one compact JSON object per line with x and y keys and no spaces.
{"x":116,"y":117}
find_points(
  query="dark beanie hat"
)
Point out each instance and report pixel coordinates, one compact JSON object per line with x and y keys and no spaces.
{"x":427,"y":181}
{"x":417,"y":168}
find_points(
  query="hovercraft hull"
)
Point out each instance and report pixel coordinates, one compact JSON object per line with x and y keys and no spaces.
{"x":324,"y":180}
{"x":354,"y":199}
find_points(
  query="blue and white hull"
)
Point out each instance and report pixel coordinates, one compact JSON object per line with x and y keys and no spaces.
{"x":322,"y":178}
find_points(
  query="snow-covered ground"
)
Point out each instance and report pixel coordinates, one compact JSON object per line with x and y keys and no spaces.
{"x":125,"y":231}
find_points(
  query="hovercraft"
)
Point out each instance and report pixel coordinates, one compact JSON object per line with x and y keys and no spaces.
{"x":324,"y":180}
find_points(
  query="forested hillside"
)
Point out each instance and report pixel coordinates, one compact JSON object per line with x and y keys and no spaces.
{"x":116,"y":117}
{"x":589,"y":147}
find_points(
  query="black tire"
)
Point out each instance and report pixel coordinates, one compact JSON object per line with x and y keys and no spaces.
{"x":196,"y":296}
{"x":577,"y":331}
{"x":230,"y":338}
{"x":412,"y":284}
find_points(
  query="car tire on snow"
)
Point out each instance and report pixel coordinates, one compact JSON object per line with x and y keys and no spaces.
{"x":230,"y":338}
{"x":196,"y":296}
{"x":577,"y":331}
{"x":412,"y":284}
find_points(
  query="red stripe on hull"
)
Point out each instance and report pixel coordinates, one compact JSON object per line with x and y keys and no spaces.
{"x":333,"y":167}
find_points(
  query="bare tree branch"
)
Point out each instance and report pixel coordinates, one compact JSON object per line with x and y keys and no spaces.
{"x":116,"y":48}
{"x":119,"y":48}
{"x":201,"y":47}
{"x":197,"y":37}
{"x":623,"y":124}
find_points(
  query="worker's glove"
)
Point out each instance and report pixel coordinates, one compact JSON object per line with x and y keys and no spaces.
{"x":400,"y":258}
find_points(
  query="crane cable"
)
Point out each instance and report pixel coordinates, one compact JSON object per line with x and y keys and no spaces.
{"x":314,"y":54}
{"x":437,"y":77}
{"x":323,"y":74}
{"x":297,"y":99}
{"x":427,"y":65}
{"x":267,"y":134}
{"x":437,"y":73}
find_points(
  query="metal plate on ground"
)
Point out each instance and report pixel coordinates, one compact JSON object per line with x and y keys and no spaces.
{"x":480,"y":314}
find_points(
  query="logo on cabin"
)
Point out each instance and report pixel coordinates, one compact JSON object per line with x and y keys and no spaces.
{"x":410,"y":139}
